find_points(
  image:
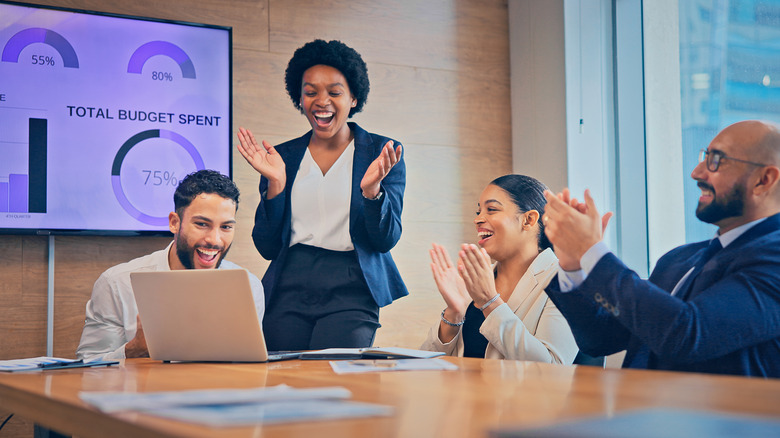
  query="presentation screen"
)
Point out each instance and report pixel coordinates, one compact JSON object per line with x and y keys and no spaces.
{"x":102,"y":115}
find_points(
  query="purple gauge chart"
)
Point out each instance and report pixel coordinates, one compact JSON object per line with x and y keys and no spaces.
{"x":147,"y":169}
{"x":161,"y":48}
{"x":13,"y":48}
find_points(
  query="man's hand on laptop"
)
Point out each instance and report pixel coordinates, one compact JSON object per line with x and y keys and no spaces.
{"x":137,"y":346}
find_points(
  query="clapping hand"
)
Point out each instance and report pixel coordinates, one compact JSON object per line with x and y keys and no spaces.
{"x":477,"y":273}
{"x":264,"y":159}
{"x":379,"y":169}
{"x":573,"y":227}
{"x":450,"y":284}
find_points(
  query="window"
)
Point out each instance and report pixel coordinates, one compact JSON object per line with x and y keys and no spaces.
{"x":606,"y":119}
{"x":729,"y":71}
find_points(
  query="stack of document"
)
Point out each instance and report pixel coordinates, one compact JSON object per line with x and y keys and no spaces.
{"x":240,"y":407}
{"x":48,"y":363}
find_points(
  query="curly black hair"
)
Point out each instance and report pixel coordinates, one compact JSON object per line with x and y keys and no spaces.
{"x":334,"y":54}
{"x":203,"y":181}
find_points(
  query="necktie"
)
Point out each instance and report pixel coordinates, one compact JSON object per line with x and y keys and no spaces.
{"x":704,"y":257}
{"x":640,"y":356}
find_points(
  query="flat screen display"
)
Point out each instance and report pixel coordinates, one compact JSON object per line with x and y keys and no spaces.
{"x":102,"y":115}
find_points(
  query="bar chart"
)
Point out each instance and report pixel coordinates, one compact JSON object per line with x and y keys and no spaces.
{"x":26,"y":193}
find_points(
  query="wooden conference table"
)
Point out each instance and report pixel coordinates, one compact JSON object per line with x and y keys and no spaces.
{"x":481,"y":396}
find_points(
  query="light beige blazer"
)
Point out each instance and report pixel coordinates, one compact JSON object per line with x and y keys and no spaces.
{"x":528,"y":327}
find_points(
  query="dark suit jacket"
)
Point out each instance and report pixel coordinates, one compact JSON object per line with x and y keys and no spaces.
{"x":728,"y":324}
{"x":375,"y":226}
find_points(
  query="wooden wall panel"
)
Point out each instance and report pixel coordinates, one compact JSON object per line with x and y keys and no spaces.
{"x":434,"y":34}
{"x":248,"y":18}
{"x":439,"y":107}
{"x":440,"y":84}
{"x":444,"y":183}
{"x":260,"y":102}
{"x":432,"y":107}
{"x":79,"y":261}
{"x":23,"y":280}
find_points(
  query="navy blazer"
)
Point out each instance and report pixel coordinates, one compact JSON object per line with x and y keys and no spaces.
{"x":728,"y":324}
{"x":375,"y":226}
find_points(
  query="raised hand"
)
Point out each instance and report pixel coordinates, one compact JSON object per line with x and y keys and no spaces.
{"x":264,"y":159}
{"x":477,"y":273}
{"x":573,"y":227}
{"x":379,"y":169}
{"x":566,"y":261}
{"x":450,"y":284}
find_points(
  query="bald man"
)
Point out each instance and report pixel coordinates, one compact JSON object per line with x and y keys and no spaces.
{"x":710,"y":307}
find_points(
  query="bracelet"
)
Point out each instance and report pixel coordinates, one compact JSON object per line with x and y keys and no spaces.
{"x":453,"y":324}
{"x":490,"y":301}
{"x":378,"y":197}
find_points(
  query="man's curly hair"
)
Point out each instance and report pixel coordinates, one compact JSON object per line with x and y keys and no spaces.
{"x":203,"y":181}
{"x":334,"y":54}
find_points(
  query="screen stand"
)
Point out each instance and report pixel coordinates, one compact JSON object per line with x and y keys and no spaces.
{"x":50,"y":302}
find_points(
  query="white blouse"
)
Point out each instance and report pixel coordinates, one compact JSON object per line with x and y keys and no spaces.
{"x":320,"y":203}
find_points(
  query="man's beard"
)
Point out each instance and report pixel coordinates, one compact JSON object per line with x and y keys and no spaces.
{"x":186,"y":253}
{"x":732,"y":204}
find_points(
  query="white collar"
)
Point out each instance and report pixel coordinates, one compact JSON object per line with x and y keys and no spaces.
{"x":732,"y":235}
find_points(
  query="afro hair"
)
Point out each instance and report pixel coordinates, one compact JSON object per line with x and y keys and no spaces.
{"x":334,"y":54}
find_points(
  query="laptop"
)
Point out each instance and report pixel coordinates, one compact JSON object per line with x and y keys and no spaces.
{"x":204,"y":315}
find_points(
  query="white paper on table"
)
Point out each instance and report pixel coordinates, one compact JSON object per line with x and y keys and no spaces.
{"x":374,"y":365}
{"x":33,"y":363}
{"x":273,"y":412}
{"x":148,"y":401}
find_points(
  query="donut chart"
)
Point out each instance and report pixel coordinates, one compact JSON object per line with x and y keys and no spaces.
{"x":116,"y":170}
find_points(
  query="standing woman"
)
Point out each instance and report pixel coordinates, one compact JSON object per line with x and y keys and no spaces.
{"x":501,"y":311}
{"x":330,"y":209}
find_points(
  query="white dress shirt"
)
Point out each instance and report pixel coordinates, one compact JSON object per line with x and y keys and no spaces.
{"x":320,"y":203}
{"x":111,"y":311}
{"x":569,"y":280}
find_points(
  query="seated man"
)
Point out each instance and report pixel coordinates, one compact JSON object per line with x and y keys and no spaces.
{"x":203,"y":228}
{"x":711,"y":307}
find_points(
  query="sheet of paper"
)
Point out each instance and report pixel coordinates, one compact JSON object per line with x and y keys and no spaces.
{"x":273,"y":412}
{"x":146,"y":401}
{"x":33,"y":363}
{"x":238,"y":407}
{"x":374,"y":365}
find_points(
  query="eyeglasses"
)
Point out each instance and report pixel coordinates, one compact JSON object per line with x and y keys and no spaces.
{"x":715,"y":157}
